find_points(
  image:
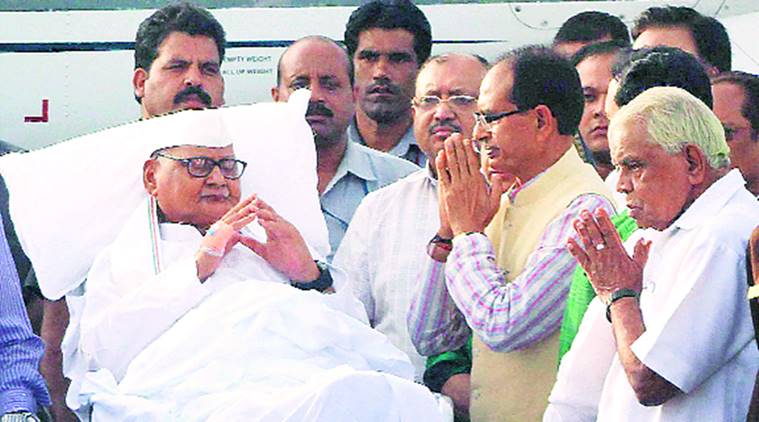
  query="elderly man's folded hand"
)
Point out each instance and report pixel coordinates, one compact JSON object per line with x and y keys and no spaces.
{"x":603,"y":256}
{"x":222,"y":236}
{"x":284,"y":248}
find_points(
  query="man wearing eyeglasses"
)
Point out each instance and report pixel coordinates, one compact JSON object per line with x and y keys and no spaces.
{"x":506,"y":273}
{"x":347,"y":170}
{"x":178,"y":54}
{"x":736,"y":104}
{"x":195,"y":193}
{"x":384,"y":247}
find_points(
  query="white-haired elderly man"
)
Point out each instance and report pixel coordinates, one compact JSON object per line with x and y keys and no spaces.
{"x":669,"y":337}
{"x":188,"y":313}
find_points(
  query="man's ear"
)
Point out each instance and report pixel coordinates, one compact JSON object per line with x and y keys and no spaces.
{"x":275,"y":93}
{"x":712,"y":71}
{"x":697,"y":164}
{"x":223,"y":87}
{"x":138,"y":82}
{"x":149,"y":179}
{"x":544,"y":121}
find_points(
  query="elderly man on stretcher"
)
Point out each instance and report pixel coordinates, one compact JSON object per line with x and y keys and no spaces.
{"x":208,"y":307}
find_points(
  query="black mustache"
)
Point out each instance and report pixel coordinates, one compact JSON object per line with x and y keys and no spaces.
{"x":193,"y":90}
{"x":318,"y":109}
{"x":452,"y":126}
{"x":394,"y":89}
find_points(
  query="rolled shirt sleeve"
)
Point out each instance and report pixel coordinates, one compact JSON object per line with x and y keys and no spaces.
{"x":721,"y":333}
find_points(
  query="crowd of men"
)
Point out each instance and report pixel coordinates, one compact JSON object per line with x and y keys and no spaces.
{"x":558,"y":235}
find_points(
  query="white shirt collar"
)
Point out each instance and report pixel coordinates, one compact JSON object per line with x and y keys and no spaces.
{"x":711,"y":201}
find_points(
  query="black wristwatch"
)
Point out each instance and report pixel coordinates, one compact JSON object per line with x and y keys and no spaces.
{"x":322,"y":283}
{"x":620,"y":294}
{"x":19,"y":417}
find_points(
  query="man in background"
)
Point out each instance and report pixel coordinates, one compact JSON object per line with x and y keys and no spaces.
{"x":347,"y":171}
{"x":387,"y":43}
{"x":736,"y":104}
{"x":688,"y":30}
{"x":589,"y":28}
{"x":593,"y":63}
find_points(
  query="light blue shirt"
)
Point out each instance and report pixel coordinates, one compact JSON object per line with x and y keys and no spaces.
{"x":21,"y":385}
{"x":406,"y":148}
{"x":361,"y":171}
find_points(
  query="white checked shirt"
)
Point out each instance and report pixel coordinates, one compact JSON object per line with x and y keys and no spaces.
{"x":384,"y":252}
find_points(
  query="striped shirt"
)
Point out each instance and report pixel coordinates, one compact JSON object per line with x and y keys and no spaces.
{"x":21,"y":385}
{"x":505,"y":316}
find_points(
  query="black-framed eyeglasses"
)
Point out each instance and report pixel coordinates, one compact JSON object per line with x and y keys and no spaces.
{"x":429,"y":102}
{"x":485,"y":119}
{"x":231,"y":168}
{"x":732,"y":132}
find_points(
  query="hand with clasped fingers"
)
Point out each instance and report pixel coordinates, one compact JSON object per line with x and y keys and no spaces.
{"x":285,"y":249}
{"x":467,"y":202}
{"x":603,"y":256}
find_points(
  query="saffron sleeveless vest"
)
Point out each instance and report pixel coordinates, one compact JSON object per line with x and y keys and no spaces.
{"x":514,"y":386}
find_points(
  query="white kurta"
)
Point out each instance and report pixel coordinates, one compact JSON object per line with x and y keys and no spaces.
{"x":699,"y":334}
{"x":120,"y":301}
{"x":160,"y":345}
{"x":383,"y":253}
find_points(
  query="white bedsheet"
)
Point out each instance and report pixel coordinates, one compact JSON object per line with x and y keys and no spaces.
{"x":262,"y":351}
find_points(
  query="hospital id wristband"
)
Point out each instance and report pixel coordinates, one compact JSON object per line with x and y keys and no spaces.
{"x":217,"y":236}
{"x":211,"y":251}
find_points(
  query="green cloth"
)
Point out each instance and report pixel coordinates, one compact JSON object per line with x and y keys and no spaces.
{"x":581,"y":292}
{"x":447,"y":364}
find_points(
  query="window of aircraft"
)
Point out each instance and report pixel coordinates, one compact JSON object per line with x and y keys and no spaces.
{"x":44,"y":5}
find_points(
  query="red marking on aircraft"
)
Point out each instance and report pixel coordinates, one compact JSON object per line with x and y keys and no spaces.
{"x":39,"y":119}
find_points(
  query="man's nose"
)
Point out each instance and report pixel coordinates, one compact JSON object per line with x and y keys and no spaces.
{"x":479,"y":132}
{"x":624,"y":184}
{"x":215,"y":177}
{"x":192,"y":76}
{"x":598,"y":106}
{"x":444,"y":111}
{"x":317,"y":92}
{"x":381,"y":68}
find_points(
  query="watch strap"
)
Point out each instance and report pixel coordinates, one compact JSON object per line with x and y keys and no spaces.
{"x":19,"y":417}
{"x":439,"y":247}
{"x":617,"y":295}
{"x":322,"y":283}
{"x":441,"y":240}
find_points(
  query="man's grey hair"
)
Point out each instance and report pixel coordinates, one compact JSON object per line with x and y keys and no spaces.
{"x":442,"y":58}
{"x":673,"y":119}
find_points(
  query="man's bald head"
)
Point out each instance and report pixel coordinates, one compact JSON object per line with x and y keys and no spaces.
{"x":322,"y":66}
{"x":316,"y":38}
